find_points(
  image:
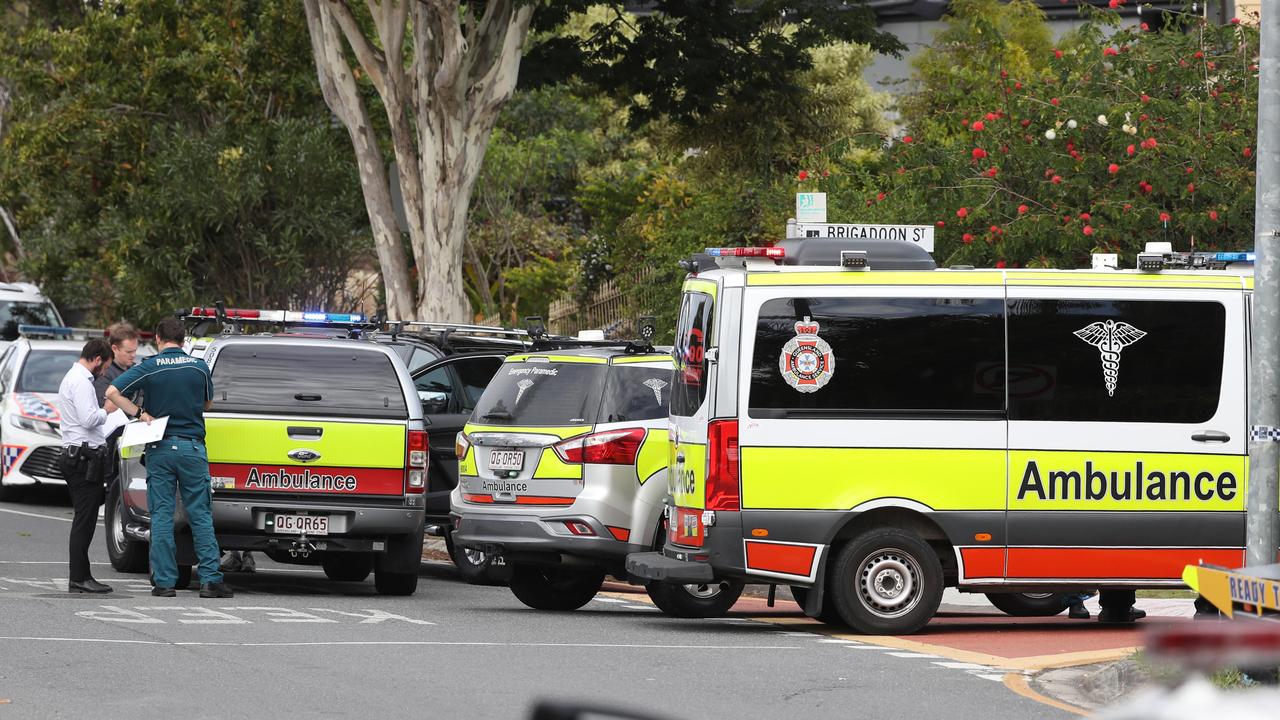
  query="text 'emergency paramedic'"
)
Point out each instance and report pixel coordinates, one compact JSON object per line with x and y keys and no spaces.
{"x":1128,"y":485}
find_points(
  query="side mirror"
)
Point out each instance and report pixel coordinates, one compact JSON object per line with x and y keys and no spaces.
{"x":433,"y":401}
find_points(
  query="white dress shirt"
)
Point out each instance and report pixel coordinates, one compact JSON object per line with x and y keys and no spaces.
{"x":82,"y":419}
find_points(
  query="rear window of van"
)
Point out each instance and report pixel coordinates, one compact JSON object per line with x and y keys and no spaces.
{"x":304,"y":379}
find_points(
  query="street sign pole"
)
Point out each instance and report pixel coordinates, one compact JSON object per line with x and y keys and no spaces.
{"x":1262,"y":518}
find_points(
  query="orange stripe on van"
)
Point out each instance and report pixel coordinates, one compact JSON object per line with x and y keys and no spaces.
{"x":1157,"y":563}
{"x":779,"y":558}
{"x":983,"y":562}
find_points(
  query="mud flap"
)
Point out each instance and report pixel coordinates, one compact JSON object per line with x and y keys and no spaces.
{"x":813,"y":603}
{"x":404,"y":553}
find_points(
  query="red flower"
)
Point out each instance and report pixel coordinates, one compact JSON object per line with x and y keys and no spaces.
{"x":1026,"y":122}
{"x":1143,"y":117}
{"x":1164,"y":217}
{"x":1113,"y":168}
{"x":992,"y":171}
{"x":1056,"y":180}
{"x":962,"y":212}
{"x":1198,"y":55}
{"x":966,"y":238}
{"x":1085,"y":216}
{"x":1145,"y":27}
{"x":1146,"y":97}
{"x":977,"y":126}
{"x":979,"y":153}
{"x":1000,"y":264}
{"x":1107,"y":52}
{"x":1127,"y":207}
{"x":1247,"y":152}
{"x":826,"y":173}
{"x":1235,"y":21}
{"x":1022,"y":209}
{"x":941,"y":223}
{"x":1057,"y":53}
{"x":992,"y":116}
{"x":965,"y":122}
{"x":1017,"y":86}
{"x":1004,"y":74}
{"x":1213,"y":214}
{"x":995,"y":229}
{"x":1191,"y":187}
{"x":1114,"y":4}
{"x":1131,"y":149}
{"x":1190,"y":170}
{"x":1149,"y":143}
{"x":908,"y":139}
{"x":879,"y":196}
{"x":1088,"y":230}
{"x":1055,"y":101}
{"x":802,"y":175}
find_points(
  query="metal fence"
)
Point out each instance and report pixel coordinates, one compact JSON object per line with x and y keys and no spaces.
{"x":610,"y":308}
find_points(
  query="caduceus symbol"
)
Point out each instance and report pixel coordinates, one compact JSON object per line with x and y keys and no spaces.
{"x":1110,"y":338}
{"x":521,"y":387}
{"x":656,"y":386}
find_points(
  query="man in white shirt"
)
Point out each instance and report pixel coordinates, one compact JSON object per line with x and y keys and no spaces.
{"x":83,"y":459}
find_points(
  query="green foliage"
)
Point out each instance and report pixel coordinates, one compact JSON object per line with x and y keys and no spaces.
{"x":1112,"y":139}
{"x":164,"y":152}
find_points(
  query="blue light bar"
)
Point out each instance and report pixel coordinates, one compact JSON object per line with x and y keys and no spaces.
{"x":321,"y":318}
{"x":44,"y":330}
{"x":1234,"y":257}
{"x":315,"y":316}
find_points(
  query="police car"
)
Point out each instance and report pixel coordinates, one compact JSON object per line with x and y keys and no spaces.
{"x":23,"y":304}
{"x":854,"y":422}
{"x":31,"y":370}
{"x":563,"y":472}
{"x":317,"y":453}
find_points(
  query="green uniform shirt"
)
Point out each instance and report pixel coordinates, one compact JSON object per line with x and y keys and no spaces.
{"x":176,"y":385}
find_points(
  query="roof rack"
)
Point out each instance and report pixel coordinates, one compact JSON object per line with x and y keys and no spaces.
{"x":543,"y":341}
{"x":53,"y":332}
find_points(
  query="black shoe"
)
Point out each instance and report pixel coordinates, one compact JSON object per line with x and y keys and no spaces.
{"x":1078,"y":612}
{"x":163,"y":592}
{"x":1108,"y":617}
{"x":87,"y":586}
{"x":216,"y":590}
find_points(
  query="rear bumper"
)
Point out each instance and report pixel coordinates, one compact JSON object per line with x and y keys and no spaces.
{"x":528,"y":538}
{"x":656,"y":566}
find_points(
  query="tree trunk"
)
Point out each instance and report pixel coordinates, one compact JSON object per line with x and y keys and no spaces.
{"x":441,"y":104}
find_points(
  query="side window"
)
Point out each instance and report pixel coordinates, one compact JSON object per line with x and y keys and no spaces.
{"x":1115,"y":360}
{"x":419,"y":358}
{"x":436,"y":391}
{"x":692,"y":333}
{"x":829,"y":356}
{"x":636,"y":393}
{"x":475,"y":374}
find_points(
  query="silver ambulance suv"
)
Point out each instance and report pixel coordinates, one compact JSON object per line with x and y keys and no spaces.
{"x":563,"y":472}
{"x":853,"y":422}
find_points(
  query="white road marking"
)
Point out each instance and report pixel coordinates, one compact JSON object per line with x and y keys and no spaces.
{"x":427,"y":643}
{"x":610,"y":600}
{"x":801,"y":634}
{"x":963,"y":666}
{"x":36,"y":515}
{"x":641,"y":607}
{"x":866,"y":647}
{"x":997,"y":678}
{"x":370,"y":617}
{"x":840,"y":642}
{"x":284,"y":615}
{"x":912,"y":655}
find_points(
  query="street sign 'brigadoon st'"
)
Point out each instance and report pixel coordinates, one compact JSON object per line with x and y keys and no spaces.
{"x":921,"y":235}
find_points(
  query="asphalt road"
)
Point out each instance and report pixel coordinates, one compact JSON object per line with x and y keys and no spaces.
{"x":291,"y":644}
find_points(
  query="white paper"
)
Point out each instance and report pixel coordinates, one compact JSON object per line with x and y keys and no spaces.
{"x":114,"y":421}
{"x":141,"y":433}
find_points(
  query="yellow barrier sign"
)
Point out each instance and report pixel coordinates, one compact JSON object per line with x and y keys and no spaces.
{"x":1224,"y":588}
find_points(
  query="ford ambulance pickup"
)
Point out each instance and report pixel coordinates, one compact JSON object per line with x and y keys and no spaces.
{"x":317,"y":455}
{"x":852,"y":422}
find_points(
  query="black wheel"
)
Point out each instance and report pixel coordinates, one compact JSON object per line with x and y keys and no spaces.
{"x":476,"y":567}
{"x":886,"y":582}
{"x":10,"y":493}
{"x":554,"y":588}
{"x":125,"y":553}
{"x":347,"y":567}
{"x":392,"y":583}
{"x":1029,"y":604}
{"x":827,"y":614}
{"x":695,"y":601}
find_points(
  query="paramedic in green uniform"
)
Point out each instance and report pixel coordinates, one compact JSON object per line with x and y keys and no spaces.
{"x":180,"y":387}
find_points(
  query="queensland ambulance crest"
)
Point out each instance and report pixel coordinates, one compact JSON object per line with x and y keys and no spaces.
{"x":806,"y":361}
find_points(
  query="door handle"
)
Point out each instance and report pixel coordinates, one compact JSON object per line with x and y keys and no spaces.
{"x":1211,"y":436}
{"x":304,"y":433}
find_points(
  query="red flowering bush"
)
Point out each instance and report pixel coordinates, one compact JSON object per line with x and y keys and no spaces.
{"x":1096,"y":151}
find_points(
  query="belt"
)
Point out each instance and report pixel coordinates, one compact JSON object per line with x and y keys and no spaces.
{"x":181,"y":437}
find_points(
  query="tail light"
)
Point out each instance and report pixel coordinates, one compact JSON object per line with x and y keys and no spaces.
{"x":611,"y":447}
{"x":415,"y":480}
{"x":461,"y":445}
{"x":577,"y":527}
{"x":722,"y":472}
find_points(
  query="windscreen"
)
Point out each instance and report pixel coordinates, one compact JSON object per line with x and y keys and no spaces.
{"x":303,"y":379}
{"x":44,"y":369}
{"x":15,"y":313}
{"x":531,"y":393}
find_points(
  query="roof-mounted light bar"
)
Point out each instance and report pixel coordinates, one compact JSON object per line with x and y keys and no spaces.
{"x":775,"y":253}
{"x":279,"y":316}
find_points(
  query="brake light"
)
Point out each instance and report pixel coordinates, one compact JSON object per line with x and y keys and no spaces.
{"x":415,"y":479}
{"x":461,"y":445}
{"x":722,"y":472}
{"x":611,"y":447}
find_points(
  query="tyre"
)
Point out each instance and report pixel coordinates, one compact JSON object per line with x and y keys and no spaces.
{"x":10,"y":493}
{"x":125,"y":553}
{"x":394,"y":583}
{"x":474,"y":566}
{"x":347,"y":567}
{"x":695,"y":601}
{"x":1029,"y":604}
{"x":827,"y":614}
{"x":886,"y":582}
{"x":553,"y":587}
